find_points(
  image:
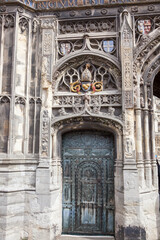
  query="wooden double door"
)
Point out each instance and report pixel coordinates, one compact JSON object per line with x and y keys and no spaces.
{"x":88,"y":183}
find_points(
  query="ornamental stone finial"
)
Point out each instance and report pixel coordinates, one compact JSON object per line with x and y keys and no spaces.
{"x":125,"y":16}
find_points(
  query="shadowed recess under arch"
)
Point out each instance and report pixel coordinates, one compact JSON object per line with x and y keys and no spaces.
{"x":156,"y":85}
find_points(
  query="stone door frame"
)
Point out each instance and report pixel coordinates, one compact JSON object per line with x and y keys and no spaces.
{"x":89,"y":123}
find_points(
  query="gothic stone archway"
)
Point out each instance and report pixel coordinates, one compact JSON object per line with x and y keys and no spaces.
{"x":107,"y":219}
{"x":87,"y":95}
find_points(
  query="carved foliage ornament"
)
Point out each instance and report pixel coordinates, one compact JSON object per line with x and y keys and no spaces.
{"x":87,"y":26}
{"x":104,"y":105}
{"x":45,"y":133}
{"x":23,"y":24}
{"x":9,"y":21}
{"x":103,"y":100}
{"x":47,"y":42}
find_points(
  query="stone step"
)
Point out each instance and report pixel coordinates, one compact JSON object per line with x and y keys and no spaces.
{"x":80,"y":237}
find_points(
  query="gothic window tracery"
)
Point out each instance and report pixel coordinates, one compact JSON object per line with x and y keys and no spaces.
{"x":106,"y":45}
{"x":87,"y":88}
{"x":98,"y":74}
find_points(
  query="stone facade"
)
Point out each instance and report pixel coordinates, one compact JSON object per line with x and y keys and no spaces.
{"x":67,"y":66}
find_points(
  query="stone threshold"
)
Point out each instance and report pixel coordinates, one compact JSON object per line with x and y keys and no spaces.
{"x":83,"y":237}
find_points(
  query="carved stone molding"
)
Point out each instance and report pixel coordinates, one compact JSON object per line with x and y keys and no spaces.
{"x":67,"y":47}
{"x":146,"y":44}
{"x":104,"y":105}
{"x":47,"y":42}
{"x":46,"y":72}
{"x":45,"y":129}
{"x":154,"y":65}
{"x":48,"y":23}
{"x":105,"y":99}
{"x":151,"y":8}
{"x":95,"y":120}
{"x":126,"y":54}
{"x":128,"y":99}
{"x":87,"y":26}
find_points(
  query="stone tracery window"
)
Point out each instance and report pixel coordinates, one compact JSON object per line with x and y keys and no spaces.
{"x":98,"y":74}
{"x":105,"y":99}
{"x":106,"y":45}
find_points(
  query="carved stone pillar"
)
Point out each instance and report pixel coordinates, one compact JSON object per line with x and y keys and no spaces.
{"x":48,"y":46}
{"x":153,"y":157}
{"x":147,"y":160}
{"x":138,"y":115}
{"x":130,"y":173}
{"x":45,"y":194}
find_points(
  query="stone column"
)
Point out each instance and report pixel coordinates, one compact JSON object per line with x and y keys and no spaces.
{"x":48,"y":38}
{"x":11,"y":127}
{"x":153,"y":157}
{"x":1,"y":49}
{"x":147,"y":161}
{"x":130,"y":173}
{"x":46,"y":229}
{"x":139,"y":145}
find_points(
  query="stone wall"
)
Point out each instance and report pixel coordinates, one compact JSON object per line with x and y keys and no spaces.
{"x":38,"y":105}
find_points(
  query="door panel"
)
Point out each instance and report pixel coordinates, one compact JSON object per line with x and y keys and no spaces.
{"x":88,"y":182}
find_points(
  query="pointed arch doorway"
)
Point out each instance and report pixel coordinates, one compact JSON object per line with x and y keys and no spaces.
{"x":88,"y":182}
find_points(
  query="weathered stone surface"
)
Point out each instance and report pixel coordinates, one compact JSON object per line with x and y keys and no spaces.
{"x":71,"y":237}
{"x":44,"y":62}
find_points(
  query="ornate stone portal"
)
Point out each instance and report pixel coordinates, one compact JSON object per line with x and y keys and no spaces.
{"x":77,"y":136}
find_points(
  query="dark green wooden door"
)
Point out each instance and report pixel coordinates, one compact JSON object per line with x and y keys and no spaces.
{"x":88,"y":183}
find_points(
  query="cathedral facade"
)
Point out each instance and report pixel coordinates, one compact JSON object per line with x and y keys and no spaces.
{"x":80,"y":121}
